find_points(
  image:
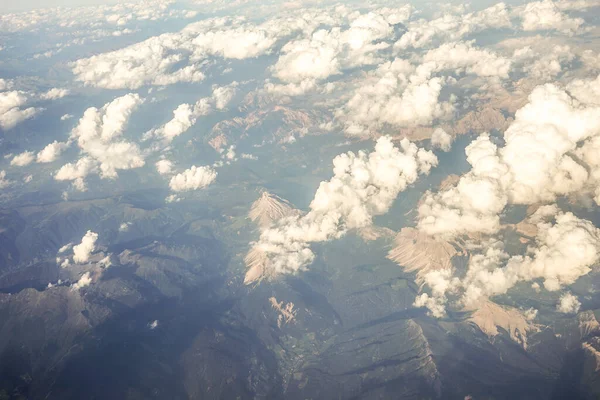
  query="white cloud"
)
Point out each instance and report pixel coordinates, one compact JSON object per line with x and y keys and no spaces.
{"x":12,"y":111}
{"x":186,"y":115}
{"x":54,"y":93}
{"x":66,"y":117}
{"x":23,"y":159}
{"x":51,"y":152}
{"x":4,"y":183}
{"x":77,"y":172}
{"x":565,"y":249}
{"x":179,"y":57}
{"x":193,"y":178}
{"x":98,"y":136}
{"x":363,"y":185}
{"x":83,"y":250}
{"x":84,"y":281}
{"x":451,"y":27}
{"x":535,"y":165}
{"x":545,"y":15}
{"x":164,"y":167}
{"x":64,"y":248}
{"x":441,"y":139}
{"x":568,"y":304}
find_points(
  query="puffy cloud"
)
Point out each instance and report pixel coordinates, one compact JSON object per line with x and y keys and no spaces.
{"x":401,"y":94}
{"x":392,"y":95}
{"x":422,"y":33}
{"x":66,"y":117}
{"x":565,"y":249}
{"x":186,"y":115}
{"x":193,"y":178}
{"x":12,"y":111}
{"x":54,"y":93}
{"x":4,"y":182}
{"x":6,"y":84}
{"x":179,"y":57}
{"x":462,"y":56}
{"x":363,"y":186}
{"x":77,"y":172}
{"x":547,"y":66}
{"x":164,"y":167}
{"x":98,"y":136}
{"x":545,"y":15}
{"x":535,"y":165}
{"x":76,"y":18}
{"x":23,"y":159}
{"x":441,"y":139}
{"x":84,"y":281}
{"x":568,"y":304}
{"x":329,"y":52}
{"x":83,"y":250}
{"x":51,"y":152}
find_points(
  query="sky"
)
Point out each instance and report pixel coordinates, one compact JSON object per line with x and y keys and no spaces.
{"x":163,"y":95}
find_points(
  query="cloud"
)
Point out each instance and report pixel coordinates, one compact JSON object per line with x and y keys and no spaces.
{"x":179,"y":57}
{"x":422,"y":33}
{"x":54,"y":93}
{"x":546,"y":66}
{"x":441,"y":139}
{"x":164,"y":167}
{"x":186,"y":115}
{"x":193,"y":178}
{"x":11,"y":109}
{"x":363,"y":186}
{"x":77,"y":172}
{"x":4,"y":183}
{"x":51,"y":152}
{"x":545,"y":15}
{"x":84,"y":281}
{"x":23,"y":159}
{"x":98,"y":136}
{"x":547,"y":153}
{"x":462,"y":57}
{"x":66,"y":117}
{"x":565,"y":249}
{"x":330,"y":52}
{"x":568,"y":304}
{"x":83,"y":250}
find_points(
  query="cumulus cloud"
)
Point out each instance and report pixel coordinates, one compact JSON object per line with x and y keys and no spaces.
{"x":363,"y":186}
{"x":568,"y":304}
{"x":77,"y":172}
{"x":545,"y":15}
{"x":23,"y":159}
{"x":441,"y":139}
{"x":565,"y":249}
{"x":536,"y":164}
{"x":179,"y":57}
{"x":51,"y":152}
{"x":54,"y":93}
{"x":98,"y":136}
{"x":186,"y":115}
{"x":4,"y":182}
{"x":12,"y":111}
{"x":453,"y":26}
{"x":193,"y":178}
{"x":83,"y":250}
{"x":164,"y":167}
{"x":402,"y":93}
{"x":84,"y":281}
{"x":305,"y":61}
